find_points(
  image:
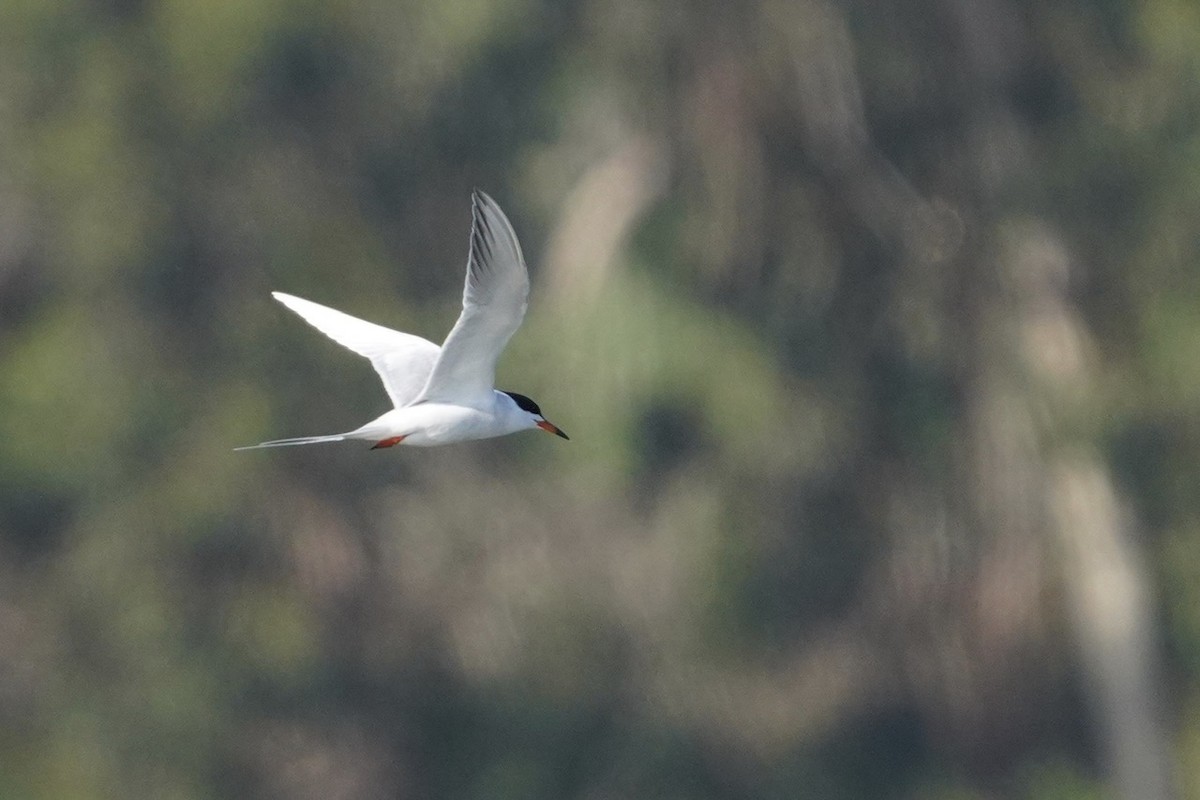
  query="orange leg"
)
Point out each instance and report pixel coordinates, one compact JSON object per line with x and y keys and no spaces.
{"x":392,"y":442}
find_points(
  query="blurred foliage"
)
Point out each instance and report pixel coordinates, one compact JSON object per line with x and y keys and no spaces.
{"x":838,"y":302}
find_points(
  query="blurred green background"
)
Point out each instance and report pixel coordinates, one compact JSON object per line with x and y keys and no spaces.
{"x":876,"y":328}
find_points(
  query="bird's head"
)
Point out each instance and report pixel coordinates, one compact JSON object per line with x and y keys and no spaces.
{"x":534,"y":414}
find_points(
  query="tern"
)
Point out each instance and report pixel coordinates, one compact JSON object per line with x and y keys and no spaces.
{"x":443,"y":394}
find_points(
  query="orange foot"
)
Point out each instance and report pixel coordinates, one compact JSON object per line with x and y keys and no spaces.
{"x":392,"y":442}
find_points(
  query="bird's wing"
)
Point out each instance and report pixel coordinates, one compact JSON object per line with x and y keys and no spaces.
{"x":494,"y":301}
{"x":402,"y":360}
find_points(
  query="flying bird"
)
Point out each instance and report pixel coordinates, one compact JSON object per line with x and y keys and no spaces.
{"x":443,"y":394}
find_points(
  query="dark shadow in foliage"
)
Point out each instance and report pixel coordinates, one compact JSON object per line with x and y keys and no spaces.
{"x":32,"y":521}
{"x":667,"y":434}
{"x":794,"y":569}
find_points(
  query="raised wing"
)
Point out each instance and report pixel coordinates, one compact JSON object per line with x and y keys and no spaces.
{"x":494,"y":301}
{"x":402,"y":360}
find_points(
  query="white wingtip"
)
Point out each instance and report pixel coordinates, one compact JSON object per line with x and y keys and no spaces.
{"x":289,"y":300}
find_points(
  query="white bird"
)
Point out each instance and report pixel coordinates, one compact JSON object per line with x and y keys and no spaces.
{"x":443,"y":394}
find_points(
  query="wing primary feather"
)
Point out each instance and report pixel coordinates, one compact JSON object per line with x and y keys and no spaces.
{"x":402,"y":360}
{"x":482,"y":257}
{"x":494,"y":300}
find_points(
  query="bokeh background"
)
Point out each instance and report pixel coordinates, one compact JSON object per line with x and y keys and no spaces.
{"x":875,"y":325}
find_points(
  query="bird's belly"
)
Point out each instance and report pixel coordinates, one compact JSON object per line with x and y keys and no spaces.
{"x":432,"y":424}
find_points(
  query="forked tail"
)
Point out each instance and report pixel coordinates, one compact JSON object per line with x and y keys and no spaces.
{"x":337,"y":437}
